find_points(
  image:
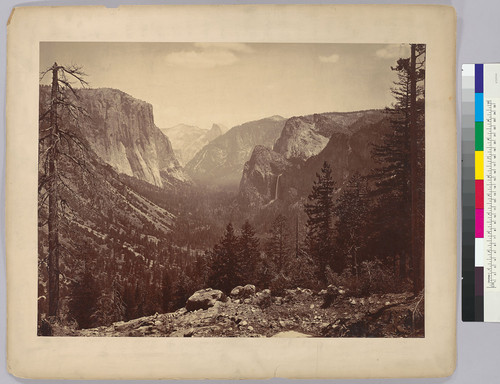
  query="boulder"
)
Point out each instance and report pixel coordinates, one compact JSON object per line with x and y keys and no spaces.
{"x":235,"y":293}
{"x":245,"y":292}
{"x":248,"y":290}
{"x":263,"y":298}
{"x":204,"y":299}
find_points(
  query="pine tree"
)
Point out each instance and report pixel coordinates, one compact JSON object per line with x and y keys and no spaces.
{"x":248,"y":256}
{"x":166,"y":292}
{"x":400,"y":178}
{"x":351,"y":209}
{"x":319,"y":211}
{"x":58,"y":143}
{"x":130,"y":304}
{"x":417,"y":161}
{"x":225,"y":268}
{"x":278,"y":248}
{"x":84,"y":296}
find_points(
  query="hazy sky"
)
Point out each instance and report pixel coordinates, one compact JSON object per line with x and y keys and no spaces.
{"x":231,"y":83}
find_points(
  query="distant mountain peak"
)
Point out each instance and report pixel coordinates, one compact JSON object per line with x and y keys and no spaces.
{"x":221,"y":161}
{"x":187,"y":140}
{"x":276,"y":118}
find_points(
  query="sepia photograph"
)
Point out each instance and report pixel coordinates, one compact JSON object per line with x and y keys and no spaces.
{"x":231,"y":190}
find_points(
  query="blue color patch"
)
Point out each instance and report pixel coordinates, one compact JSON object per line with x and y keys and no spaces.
{"x":479,"y":107}
{"x":478,"y":75}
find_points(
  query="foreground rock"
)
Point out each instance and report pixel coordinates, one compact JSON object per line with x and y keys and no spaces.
{"x":204,"y":299}
{"x":245,"y":292}
{"x":299,"y":313}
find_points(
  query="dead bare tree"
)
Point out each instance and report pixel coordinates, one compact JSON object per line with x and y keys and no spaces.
{"x":58,"y":142}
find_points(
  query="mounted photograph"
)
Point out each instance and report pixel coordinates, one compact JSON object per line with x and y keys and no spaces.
{"x":231,"y":190}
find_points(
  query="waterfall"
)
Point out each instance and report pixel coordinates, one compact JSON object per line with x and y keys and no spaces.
{"x":276,"y":189}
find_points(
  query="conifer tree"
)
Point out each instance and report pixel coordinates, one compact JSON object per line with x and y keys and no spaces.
{"x":248,"y":256}
{"x":58,"y":143}
{"x":351,"y":210}
{"x":278,"y":247}
{"x":400,"y":178}
{"x":84,"y":296}
{"x":319,"y":211}
{"x":130,"y":304}
{"x":225,"y":268}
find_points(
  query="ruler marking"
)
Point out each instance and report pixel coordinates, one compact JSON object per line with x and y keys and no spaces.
{"x":490,"y":217}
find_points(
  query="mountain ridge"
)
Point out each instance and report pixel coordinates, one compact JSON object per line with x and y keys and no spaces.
{"x":221,"y":161}
{"x":342,"y":139}
{"x":187,"y":140}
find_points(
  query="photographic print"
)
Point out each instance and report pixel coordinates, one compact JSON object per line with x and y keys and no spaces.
{"x":231,"y":190}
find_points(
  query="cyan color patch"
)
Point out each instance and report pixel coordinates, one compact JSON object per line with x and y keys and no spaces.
{"x":479,"y":107}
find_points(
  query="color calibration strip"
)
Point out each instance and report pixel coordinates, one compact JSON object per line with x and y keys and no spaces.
{"x":469,"y":308}
{"x":480,"y":97}
{"x":478,"y":187}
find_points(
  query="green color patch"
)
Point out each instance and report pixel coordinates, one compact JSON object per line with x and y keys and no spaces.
{"x":479,"y":139}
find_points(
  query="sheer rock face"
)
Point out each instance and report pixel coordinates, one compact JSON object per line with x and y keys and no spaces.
{"x":187,"y":140}
{"x":221,"y":161}
{"x":344,"y":139}
{"x":121,"y":131}
{"x":260,"y":182}
{"x":305,"y":136}
{"x":350,"y":152}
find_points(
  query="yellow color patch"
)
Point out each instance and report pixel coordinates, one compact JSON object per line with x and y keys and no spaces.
{"x":479,"y":166}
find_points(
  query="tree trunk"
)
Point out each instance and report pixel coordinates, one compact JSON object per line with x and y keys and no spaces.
{"x":416,"y":253}
{"x":53,"y":221}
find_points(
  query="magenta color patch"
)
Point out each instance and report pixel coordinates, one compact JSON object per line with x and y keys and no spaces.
{"x":479,"y":223}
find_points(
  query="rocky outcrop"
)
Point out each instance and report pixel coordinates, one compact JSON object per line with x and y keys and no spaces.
{"x":287,"y":172}
{"x":305,"y":136}
{"x":260,"y":182}
{"x":298,"y":314}
{"x":204,"y":299}
{"x":187,"y":140}
{"x":120,"y":129}
{"x":351,"y":151}
{"x":221,"y":161}
{"x":300,"y":138}
{"x":245,"y":292}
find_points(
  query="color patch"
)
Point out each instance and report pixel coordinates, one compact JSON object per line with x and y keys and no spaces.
{"x":479,"y":136}
{"x":479,"y":253}
{"x":479,"y":223}
{"x":479,"y":165}
{"x":478,"y":76}
{"x":479,"y":194}
{"x":479,"y":291}
{"x":479,"y":105}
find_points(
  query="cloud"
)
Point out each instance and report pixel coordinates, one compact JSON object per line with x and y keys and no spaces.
{"x":208,"y":55}
{"x":329,"y":59}
{"x":234,"y":47}
{"x":393,"y":51}
{"x":201,"y":59}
